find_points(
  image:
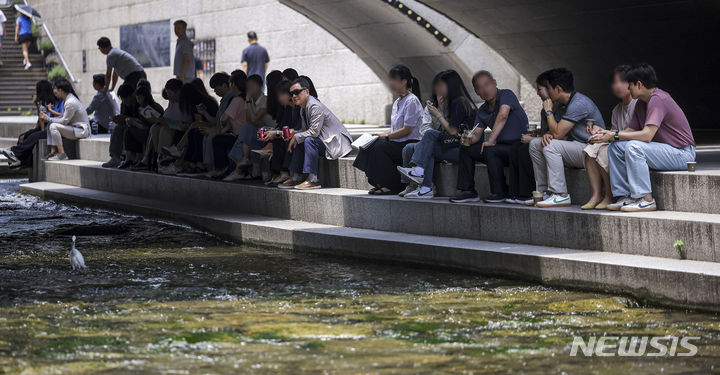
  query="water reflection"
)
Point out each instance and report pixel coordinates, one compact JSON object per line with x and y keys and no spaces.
{"x":163,"y":298}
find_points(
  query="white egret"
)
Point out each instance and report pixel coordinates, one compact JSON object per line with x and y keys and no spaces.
{"x":76,"y":259}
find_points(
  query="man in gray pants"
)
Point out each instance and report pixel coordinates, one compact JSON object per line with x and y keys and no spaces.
{"x":566,"y":138}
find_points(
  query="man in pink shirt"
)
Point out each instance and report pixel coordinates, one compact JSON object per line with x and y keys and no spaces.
{"x":658,"y":137}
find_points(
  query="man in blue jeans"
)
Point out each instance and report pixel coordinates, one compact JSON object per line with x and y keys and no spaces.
{"x":658,"y":137}
{"x":322,"y":133}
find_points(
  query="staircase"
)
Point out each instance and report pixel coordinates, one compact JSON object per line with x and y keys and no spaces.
{"x":17,"y":85}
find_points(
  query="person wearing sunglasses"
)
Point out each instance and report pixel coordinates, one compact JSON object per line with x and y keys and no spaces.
{"x":321,"y":133}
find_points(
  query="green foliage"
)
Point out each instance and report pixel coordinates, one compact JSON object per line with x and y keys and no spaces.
{"x":272,"y":335}
{"x":57,"y":72}
{"x":313,"y":345}
{"x":46,"y":45}
{"x":680,"y":247}
{"x":35,"y":30}
{"x":52,"y":59}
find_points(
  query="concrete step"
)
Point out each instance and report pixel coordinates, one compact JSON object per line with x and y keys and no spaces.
{"x":13,"y":126}
{"x":650,"y":233}
{"x":674,"y":191}
{"x":671,"y":282}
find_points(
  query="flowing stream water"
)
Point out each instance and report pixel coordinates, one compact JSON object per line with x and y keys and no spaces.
{"x":162,"y":298}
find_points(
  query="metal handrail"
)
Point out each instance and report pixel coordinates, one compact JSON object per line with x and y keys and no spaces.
{"x":57,"y":50}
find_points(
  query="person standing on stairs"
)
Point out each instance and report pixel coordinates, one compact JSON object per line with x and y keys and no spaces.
{"x":23,"y":37}
{"x":2,"y":32}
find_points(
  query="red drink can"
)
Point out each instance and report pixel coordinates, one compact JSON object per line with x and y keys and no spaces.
{"x":286,"y":132}
{"x":261,"y":134}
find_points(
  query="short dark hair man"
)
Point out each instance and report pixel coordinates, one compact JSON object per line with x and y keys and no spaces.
{"x":502,"y":113}
{"x":119,"y":64}
{"x":566,"y":112}
{"x":255,"y":58}
{"x":658,"y":137}
{"x":184,"y":62}
{"x":321,"y":133}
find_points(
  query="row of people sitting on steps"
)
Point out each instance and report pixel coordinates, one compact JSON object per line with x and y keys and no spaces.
{"x":648,"y":130}
{"x":196,"y":136}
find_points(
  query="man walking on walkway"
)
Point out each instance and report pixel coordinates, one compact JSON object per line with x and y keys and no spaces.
{"x":119,"y":64}
{"x":255,"y":59}
{"x":184,"y":63}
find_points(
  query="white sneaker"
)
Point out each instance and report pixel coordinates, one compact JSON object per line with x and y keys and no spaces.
{"x":408,"y":189}
{"x":170,"y":169}
{"x":28,"y":65}
{"x":640,"y":205}
{"x":9,"y":154}
{"x":555,"y":200}
{"x":408,"y":172}
{"x":528,"y":202}
{"x":513,"y":201}
{"x":622,"y":202}
{"x":244,"y":163}
{"x":173,"y":151}
{"x":234,"y":176}
{"x":58,"y":157}
{"x":415,"y":194}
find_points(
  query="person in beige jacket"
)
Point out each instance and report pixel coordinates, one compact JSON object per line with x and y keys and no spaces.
{"x":73,"y":124}
{"x":321,"y":133}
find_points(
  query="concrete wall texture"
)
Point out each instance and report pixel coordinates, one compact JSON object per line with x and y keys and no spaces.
{"x":344,"y":81}
{"x":324,"y":46}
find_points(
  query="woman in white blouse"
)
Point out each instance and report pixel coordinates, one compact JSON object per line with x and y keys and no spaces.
{"x":73,"y":124}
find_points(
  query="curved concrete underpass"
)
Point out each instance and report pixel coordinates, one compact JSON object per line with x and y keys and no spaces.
{"x":678,"y":37}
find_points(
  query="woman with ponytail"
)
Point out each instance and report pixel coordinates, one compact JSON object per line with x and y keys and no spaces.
{"x":381,"y":159}
{"x":443,"y":143}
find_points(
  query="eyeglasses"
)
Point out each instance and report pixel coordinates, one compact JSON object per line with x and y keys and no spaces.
{"x":297,"y":92}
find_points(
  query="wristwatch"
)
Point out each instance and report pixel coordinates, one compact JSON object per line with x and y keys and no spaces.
{"x":278,"y":133}
{"x":617,"y":135}
{"x":548,"y":112}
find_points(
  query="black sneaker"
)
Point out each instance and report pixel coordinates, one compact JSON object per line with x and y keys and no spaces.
{"x":465,"y":197}
{"x":125,"y":164}
{"x":495,"y":198}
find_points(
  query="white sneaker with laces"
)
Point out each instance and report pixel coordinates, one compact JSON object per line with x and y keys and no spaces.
{"x":622,"y":202}
{"x":641,"y":205}
{"x":416,"y":194}
{"x":58,"y":157}
{"x":234,"y":176}
{"x":170,"y":169}
{"x":555,"y":200}
{"x":409,"y":173}
{"x":9,"y":154}
{"x":408,"y":189}
{"x":173,"y":151}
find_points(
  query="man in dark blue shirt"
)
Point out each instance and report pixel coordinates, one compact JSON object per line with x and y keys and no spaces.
{"x":503,"y":115}
{"x":255,"y":57}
